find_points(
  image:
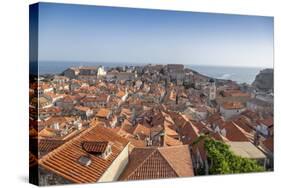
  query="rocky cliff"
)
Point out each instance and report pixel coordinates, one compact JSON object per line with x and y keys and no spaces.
{"x":264,"y":80}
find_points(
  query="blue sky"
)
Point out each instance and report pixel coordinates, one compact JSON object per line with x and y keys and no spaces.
{"x":108,"y":34}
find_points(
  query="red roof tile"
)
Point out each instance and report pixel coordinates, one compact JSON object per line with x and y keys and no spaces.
{"x":94,"y":146}
{"x":243,"y":123}
{"x":268,"y":143}
{"x":170,"y":141}
{"x":232,"y":105}
{"x":267,"y":122}
{"x":44,"y":146}
{"x":233,"y":133}
{"x":64,"y":160}
{"x":155,"y":163}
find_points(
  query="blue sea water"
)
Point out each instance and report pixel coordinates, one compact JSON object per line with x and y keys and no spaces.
{"x":238,"y":74}
{"x":54,"y":67}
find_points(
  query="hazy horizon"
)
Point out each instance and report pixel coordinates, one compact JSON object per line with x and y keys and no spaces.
{"x":97,"y":63}
{"x":145,"y":36}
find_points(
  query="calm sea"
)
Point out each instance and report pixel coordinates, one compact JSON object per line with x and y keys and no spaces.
{"x":238,"y":74}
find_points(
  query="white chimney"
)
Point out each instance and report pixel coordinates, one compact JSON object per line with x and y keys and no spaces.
{"x":78,"y":125}
{"x":56,"y":126}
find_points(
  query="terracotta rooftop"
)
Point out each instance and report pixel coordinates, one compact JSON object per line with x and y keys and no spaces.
{"x":100,"y":98}
{"x":141,"y":129}
{"x":68,"y":99}
{"x":201,"y":127}
{"x":267,"y":122}
{"x":201,"y":109}
{"x":127,"y":127}
{"x":218,"y":136}
{"x":82,"y":108}
{"x":243,"y":123}
{"x":177,"y":118}
{"x":44,"y":86}
{"x":47,"y":133}
{"x":134,"y":141}
{"x":155,"y":163}
{"x":64,"y":160}
{"x":268,"y":143}
{"x":94,"y":146}
{"x":103,"y":112}
{"x":54,"y":95}
{"x":189,"y":133}
{"x":89,"y":99}
{"x":57,"y":119}
{"x":250,"y":114}
{"x":170,"y":141}
{"x":235,"y":93}
{"x":53,"y":109}
{"x":233,"y":133}
{"x":120,"y":93}
{"x":44,"y":146}
{"x":213,"y":118}
{"x":169,"y":130}
{"x":232,"y":105}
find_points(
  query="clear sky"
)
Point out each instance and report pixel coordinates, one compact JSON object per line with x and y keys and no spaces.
{"x":107,"y":34}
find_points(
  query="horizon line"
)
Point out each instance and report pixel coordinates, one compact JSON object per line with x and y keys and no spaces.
{"x":150,"y":63}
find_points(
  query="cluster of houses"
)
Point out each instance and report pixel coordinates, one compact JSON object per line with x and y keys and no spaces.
{"x":95,"y":125}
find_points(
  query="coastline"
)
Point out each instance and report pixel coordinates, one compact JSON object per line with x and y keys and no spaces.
{"x":237,"y":74}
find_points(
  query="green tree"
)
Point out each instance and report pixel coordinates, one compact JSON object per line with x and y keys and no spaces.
{"x":224,"y":161}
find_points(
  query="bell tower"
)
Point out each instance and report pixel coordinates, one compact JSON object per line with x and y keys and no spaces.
{"x":212,"y":90}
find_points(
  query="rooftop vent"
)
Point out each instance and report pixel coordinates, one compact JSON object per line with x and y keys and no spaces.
{"x":85,"y":160}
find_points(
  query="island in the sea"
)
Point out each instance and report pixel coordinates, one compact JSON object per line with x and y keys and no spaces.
{"x":91,"y":124}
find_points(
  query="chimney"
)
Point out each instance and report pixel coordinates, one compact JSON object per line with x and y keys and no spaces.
{"x":56,"y":126}
{"x":78,"y":125}
{"x":257,"y":139}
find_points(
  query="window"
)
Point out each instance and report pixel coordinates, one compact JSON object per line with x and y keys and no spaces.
{"x":85,"y":160}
